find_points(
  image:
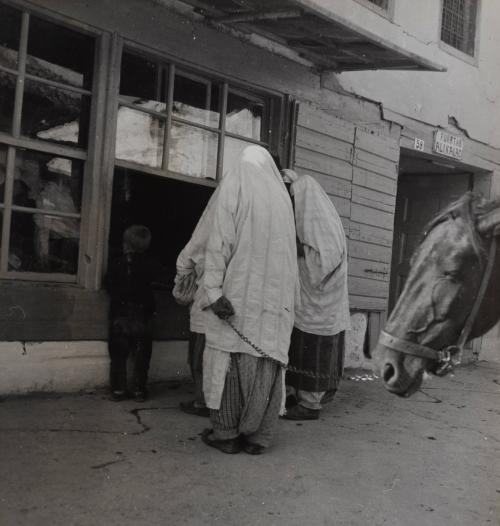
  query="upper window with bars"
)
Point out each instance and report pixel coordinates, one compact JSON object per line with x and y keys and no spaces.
{"x":382,"y":7}
{"x":46,"y":78}
{"x":174,"y":121}
{"x":384,"y":4}
{"x":458,"y":26}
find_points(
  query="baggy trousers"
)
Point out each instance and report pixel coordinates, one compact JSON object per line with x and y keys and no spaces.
{"x":251,"y":400}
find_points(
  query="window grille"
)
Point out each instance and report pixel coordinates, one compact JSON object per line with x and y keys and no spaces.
{"x":458,"y":27}
{"x":380,"y":3}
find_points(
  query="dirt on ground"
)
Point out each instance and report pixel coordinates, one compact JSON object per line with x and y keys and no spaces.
{"x":372,"y":459}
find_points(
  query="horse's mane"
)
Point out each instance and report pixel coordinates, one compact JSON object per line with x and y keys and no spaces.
{"x":469,"y":207}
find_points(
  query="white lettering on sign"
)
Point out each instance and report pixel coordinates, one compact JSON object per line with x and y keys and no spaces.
{"x":419,"y":144}
{"x":447,"y":144}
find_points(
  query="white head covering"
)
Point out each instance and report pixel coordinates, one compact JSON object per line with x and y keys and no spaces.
{"x":323,"y":269}
{"x":251,"y":257}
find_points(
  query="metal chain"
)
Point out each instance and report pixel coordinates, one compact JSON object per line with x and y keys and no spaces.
{"x":258,"y":350}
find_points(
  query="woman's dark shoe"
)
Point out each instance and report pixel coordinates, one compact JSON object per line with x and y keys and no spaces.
{"x":251,"y":448}
{"x":299,"y":412}
{"x":140,"y":396}
{"x":118,"y":396}
{"x":192,"y":409}
{"x":229,"y":446}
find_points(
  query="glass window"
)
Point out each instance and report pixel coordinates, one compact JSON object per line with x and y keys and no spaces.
{"x":52,"y":183}
{"x":60,"y":54}
{"x":7,"y":96}
{"x":196,"y":101}
{"x":55,"y":114}
{"x":244,"y":116}
{"x":140,"y":137}
{"x":142,"y":82}
{"x":10,"y":31}
{"x":458,"y":26}
{"x":43,"y":243}
{"x":42,"y":207}
{"x":3,"y":163}
{"x":193,"y":151}
{"x":198,"y":116}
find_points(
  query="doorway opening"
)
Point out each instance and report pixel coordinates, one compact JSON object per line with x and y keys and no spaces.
{"x":170,"y":209}
{"x":426,"y":185}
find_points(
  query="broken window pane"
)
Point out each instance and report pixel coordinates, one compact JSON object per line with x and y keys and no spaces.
{"x":10,"y":31}
{"x":54,"y":114}
{"x":196,"y":100}
{"x":43,"y":243}
{"x":7,"y":94}
{"x":49,"y":182}
{"x":61,"y":54}
{"x":139,"y":137}
{"x":192,"y":151}
{"x":244,"y":116}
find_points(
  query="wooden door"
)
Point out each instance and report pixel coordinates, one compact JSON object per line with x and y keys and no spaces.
{"x":419,"y":199}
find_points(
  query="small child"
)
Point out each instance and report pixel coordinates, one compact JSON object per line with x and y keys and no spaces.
{"x":129,"y":282}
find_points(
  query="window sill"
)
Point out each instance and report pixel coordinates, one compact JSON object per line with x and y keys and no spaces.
{"x":471,"y":60}
{"x":49,"y":280}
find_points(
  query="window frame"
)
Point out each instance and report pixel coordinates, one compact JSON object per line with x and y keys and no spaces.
{"x":387,"y":12}
{"x":273,"y":118}
{"x":88,"y":155}
{"x":473,"y":60}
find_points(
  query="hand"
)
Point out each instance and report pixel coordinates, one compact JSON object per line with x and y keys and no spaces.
{"x":222,"y":308}
{"x":300,"y":249}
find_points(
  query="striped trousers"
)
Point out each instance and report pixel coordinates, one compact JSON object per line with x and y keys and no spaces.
{"x":251,"y":400}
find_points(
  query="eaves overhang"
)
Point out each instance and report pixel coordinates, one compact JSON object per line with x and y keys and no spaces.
{"x":326,"y":40}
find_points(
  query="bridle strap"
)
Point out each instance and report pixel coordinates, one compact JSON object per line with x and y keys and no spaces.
{"x":408,"y":347}
{"x":422,"y":351}
{"x":464,"y":335}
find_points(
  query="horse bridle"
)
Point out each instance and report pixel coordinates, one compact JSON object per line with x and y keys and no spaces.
{"x":450,"y":356}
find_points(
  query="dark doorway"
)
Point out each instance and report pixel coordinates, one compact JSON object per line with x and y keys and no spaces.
{"x":421,"y":195}
{"x":170,"y":209}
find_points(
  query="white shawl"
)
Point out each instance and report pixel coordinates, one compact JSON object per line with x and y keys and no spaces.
{"x":251,"y":258}
{"x":191,"y":265}
{"x":324,"y":307}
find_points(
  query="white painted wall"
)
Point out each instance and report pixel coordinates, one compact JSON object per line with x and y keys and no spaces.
{"x":45,"y":367}
{"x":467,"y":92}
{"x":76,"y":366}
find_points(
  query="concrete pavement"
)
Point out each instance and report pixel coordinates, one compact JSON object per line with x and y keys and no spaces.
{"x":372,"y":459}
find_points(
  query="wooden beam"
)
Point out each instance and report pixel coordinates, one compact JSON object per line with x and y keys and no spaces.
{"x":254,"y":17}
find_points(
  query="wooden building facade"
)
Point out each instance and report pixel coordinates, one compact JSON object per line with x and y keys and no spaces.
{"x":114,"y":113}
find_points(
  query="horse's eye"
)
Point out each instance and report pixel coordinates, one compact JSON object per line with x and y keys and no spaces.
{"x":450,"y":274}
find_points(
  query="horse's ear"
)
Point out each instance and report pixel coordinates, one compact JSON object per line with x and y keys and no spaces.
{"x":489,"y":223}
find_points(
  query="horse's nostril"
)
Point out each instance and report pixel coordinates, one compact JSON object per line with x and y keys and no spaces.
{"x":389,"y":372}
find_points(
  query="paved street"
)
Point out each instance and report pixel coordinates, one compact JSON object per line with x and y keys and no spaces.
{"x":372,"y":459}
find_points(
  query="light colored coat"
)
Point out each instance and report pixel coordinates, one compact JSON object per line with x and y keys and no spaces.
{"x":191,"y":260}
{"x":251,"y":258}
{"x":324,"y":305}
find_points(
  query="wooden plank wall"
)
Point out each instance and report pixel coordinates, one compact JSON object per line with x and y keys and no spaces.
{"x":358,"y":169}
{"x":374,"y":186}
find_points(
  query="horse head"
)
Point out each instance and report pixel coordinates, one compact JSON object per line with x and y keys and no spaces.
{"x":437,"y":310}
